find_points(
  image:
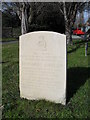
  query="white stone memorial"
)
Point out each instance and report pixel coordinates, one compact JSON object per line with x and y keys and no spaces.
{"x":42,"y":66}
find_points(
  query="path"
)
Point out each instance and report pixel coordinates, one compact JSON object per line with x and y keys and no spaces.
{"x":9,"y":42}
{"x":75,"y":37}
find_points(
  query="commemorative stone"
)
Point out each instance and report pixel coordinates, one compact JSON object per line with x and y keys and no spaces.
{"x":42,"y":66}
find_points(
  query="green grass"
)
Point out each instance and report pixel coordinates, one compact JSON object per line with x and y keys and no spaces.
{"x":77,"y":88}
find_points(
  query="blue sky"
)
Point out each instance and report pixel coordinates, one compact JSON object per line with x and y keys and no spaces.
{"x":86,"y":16}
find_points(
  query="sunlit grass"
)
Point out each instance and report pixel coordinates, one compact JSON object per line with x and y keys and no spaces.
{"x":77,"y":91}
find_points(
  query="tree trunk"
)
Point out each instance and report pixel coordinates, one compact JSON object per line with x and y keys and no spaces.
{"x":68,"y":28}
{"x":68,"y":32}
{"x":68,"y":37}
{"x":24,"y":20}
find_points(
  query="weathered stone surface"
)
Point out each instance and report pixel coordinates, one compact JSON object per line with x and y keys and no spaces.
{"x":42,"y":66}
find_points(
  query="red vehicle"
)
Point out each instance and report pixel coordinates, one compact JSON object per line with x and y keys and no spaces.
{"x":78,"y":32}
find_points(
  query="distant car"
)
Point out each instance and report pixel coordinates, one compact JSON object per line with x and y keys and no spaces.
{"x":78,"y":32}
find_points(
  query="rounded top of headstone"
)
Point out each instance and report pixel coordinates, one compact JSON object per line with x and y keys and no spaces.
{"x":43,"y":32}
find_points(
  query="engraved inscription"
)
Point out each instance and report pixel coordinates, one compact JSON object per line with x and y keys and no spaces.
{"x":42,"y":43}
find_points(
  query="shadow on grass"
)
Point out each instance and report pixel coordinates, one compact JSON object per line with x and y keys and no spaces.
{"x":74,"y":49}
{"x":76,"y":77}
{"x":4,"y":62}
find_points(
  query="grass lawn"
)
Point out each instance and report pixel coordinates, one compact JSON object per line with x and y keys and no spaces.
{"x":77,"y":88}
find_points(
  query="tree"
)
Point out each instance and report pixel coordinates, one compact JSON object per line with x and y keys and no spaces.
{"x":9,"y":18}
{"x":49,"y":16}
{"x":39,"y":14}
{"x":27,"y":11}
{"x":69,"y":10}
{"x":23,"y":10}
